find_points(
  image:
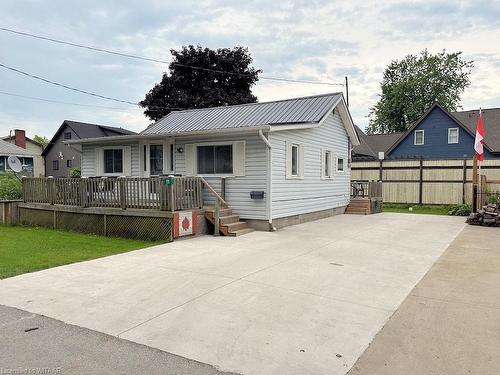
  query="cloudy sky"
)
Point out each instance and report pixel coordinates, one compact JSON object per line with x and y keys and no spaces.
{"x":314,"y":40}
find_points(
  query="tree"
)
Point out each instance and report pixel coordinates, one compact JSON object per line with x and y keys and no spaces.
{"x":44,"y":141}
{"x":198,"y":78}
{"x":410,"y":86}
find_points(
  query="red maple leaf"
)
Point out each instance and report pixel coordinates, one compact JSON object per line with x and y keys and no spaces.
{"x":185,"y":223}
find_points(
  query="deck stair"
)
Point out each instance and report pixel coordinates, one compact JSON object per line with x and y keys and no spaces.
{"x":359,"y":206}
{"x":229,"y":224}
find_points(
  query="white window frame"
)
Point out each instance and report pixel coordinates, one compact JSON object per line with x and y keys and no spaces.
{"x":415,"y":137}
{"x":289,"y":146}
{"x":126,"y":160}
{"x":239,"y":158}
{"x":449,"y":134}
{"x":343,"y":158}
{"x":327,"y":155}
{"x":166,"y":157}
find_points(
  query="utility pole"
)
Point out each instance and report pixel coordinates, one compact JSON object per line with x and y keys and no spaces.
{"x":347,"y":91}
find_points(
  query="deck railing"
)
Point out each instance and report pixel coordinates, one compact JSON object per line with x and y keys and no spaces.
{"x":122,"y":192}
{"x":366,"y":189}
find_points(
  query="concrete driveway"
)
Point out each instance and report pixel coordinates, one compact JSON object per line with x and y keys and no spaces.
{"x":307,"y":299}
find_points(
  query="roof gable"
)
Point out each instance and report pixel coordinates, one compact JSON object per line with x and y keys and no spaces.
{"x":85,"y":130}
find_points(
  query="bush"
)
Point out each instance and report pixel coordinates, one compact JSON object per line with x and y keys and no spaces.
{"x":75,"y":173}
{"x":10,"y":186}
{"x":460,"y":210}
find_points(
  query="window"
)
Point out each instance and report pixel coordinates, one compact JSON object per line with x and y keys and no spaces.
{"x":419,"y":138}
{"x":113,"y":161}
{"x":27,"y":162}
{"x":144,"y":159}
{"x":55,"y":165}
{"x":215,"y":159}
{"x":452,"y":135}
{"x":155,"y":160}
{"x":327,"y":164}
{"x":69,"y":163}
{"x":340,"y":165}
{"x":2,"y":163}
{"x":67,"y":135}
{"x":172,"y":155}
{"x":295,"y":160}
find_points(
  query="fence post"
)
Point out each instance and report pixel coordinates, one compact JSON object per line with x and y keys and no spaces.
{"x":420,"y":181}
{"x":123,"y":195}
{"x":83,"y":192}
{"x":464,"y":180}
{"x":223,"y":187}
{"x":171,"y":197}
{"x":52,"y":190}
{"x":381,"y":170}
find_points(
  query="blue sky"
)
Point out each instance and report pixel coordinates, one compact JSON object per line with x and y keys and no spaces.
{"x":319,"y":40}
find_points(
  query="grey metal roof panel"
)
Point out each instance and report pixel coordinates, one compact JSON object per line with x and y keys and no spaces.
{"x":292,"y":111}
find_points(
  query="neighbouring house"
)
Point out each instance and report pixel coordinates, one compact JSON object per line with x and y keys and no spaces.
{"x":31,"y":157}
{"x":26,"y":157}
{"x":282,"y":162}
{"x":438,"y":134}
{"x":60,"y":158}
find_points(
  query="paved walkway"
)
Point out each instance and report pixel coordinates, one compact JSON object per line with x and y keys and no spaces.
{"x":307,"y":299}
{"x":450,"y":324}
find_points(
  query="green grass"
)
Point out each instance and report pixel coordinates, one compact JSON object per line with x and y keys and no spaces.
{"x":27,"y":249}
{"x":416,"y":209}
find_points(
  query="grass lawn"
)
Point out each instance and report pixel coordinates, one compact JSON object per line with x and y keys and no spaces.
{"x":28,"y":249}
{"x":416,"y":209}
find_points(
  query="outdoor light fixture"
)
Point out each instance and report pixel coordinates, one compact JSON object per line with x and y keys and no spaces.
{"x":180,"y":150}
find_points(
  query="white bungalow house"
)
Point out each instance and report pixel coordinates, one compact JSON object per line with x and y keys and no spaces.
{"x":283,"y":162}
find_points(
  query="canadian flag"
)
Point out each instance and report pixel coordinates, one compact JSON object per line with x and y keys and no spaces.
{"x":478,"y":143}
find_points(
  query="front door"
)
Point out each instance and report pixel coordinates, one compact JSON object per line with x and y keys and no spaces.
{"x":155,"y":160}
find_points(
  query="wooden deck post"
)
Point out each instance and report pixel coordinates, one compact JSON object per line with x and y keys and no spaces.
{"x":217,"y":217}
{"x":83,"y":192}
{"x":123,"y":193}
{"x":51,"y":190}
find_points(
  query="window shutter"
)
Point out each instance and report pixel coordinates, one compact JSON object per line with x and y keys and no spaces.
{"x":190,"y":159}
{"x":288,"y":159}
{"x":127,"y":161}
{"x":239,"y":158}
{"x":99,"y":162}
{"x":301,"y":161}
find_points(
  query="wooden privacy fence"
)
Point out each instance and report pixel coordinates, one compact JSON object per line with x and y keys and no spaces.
{"x":122,"y":192}
{"x":426,"y":181}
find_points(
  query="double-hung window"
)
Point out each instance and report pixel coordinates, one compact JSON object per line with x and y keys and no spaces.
{"x":419,"y":138}
{"x":452,"y":135}
{"x":215,"y":159}
{"x":113,"y":161}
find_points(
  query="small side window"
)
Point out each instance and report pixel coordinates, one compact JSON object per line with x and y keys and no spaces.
{"x":67,"y":135}
{"x":340,"y":165}
{"x":419,"y":138}
{"x":327,"y":164}
{"x":295,"y":160}
{"x":452,"y":135}
{"x":69,"y":163}
{"x":55,"y":165}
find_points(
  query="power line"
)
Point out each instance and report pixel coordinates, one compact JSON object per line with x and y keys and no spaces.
{"x":150,"y":59}
{"x":79,"y":90}
{"x":58,"y":101}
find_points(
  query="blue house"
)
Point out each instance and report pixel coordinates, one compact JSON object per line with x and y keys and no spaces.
{"x":438,"y":134}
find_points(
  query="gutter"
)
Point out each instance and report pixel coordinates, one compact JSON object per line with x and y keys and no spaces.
{"x":269,"y":207}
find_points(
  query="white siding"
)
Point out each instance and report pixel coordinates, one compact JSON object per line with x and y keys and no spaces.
{"x":237,"y":188}
{"x":311,"y":193}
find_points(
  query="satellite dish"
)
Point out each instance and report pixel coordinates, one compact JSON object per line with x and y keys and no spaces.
{"x":15,"y":163}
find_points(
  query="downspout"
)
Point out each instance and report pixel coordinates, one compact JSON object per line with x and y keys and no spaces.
{"x":269,"y":207}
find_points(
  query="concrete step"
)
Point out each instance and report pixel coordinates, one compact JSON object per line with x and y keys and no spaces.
{"x":241,"y":232}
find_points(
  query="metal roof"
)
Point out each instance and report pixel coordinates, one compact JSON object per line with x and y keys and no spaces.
{"x":7,"y":149}
{"x":308,"y":110}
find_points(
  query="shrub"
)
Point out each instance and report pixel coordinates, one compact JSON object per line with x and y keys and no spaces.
{"x":75,"y":172}
{"x":460,"y":210}
{"x":10,"y":186}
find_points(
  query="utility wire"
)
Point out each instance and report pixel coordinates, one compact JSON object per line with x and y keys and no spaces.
{"x":57,"y":101}
{"x":103,"y":50}
{"x":79,"y":90}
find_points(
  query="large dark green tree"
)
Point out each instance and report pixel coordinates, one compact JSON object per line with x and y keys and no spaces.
{"x":411,"y":85}
{"x":202,"y":77}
